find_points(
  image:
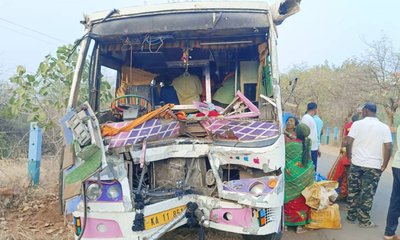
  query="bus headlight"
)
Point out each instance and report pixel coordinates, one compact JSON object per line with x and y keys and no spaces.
{"x":257,"y":189}
{"x":113,"y":192}
{"x":93,"y":191}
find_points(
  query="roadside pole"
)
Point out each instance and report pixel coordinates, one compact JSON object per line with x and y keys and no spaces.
{"x":328,"y":133}
{"x":35,"y":153}
{"x":335,"y":133}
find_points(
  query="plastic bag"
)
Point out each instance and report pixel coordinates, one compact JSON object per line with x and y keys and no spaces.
{"x":318,"y":177}
{"x":320,"y":194}
{"x":328,"y":218}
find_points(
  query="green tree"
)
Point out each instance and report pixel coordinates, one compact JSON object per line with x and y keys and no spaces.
{"x":334,"y":88}
{"x":43,"y":96}
{"x":11,"y":130}
{"x":382,"y":76}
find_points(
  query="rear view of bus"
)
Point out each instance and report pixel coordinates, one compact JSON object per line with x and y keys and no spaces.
{"x":193,"y":134}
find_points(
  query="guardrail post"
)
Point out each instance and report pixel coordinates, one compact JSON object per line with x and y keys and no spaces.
{"x":35,"y":153}
{"x":336,"y":133}
{"x":328,"y":133}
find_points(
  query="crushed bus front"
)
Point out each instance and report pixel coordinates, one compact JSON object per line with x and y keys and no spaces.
{"x":146,"y":167}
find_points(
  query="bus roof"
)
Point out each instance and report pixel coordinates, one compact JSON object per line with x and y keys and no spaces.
{"x":182,"y":20}
{"x":168,"y":8}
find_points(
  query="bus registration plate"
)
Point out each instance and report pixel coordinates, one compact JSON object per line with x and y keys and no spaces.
{"x":162,"y":218}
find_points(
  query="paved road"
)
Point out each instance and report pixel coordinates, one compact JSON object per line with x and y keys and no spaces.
{"x":351,"y":231}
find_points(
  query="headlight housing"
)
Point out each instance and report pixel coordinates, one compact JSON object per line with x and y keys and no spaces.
{"x":104,"y":191}
{"x":257,"y":188}
{"x":93,"y":191}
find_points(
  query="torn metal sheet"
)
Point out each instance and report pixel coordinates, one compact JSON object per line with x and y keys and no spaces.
{"x":85,"y":152}
{"x":79,"y":128}
{"x":94,"y":128}
{"x":72,"y":190}
{"x":72,"y":204}
{"x":68,"y":135}
{"x":68,"y":156}
{"x":152,"y":130}
{"x":241,"y":107}
{"x":236,"y":192}
{"x":262,"y":220}
{"x":86,"y":169}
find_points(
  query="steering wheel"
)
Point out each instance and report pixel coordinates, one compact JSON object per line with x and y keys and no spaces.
{"x":125,"y":102}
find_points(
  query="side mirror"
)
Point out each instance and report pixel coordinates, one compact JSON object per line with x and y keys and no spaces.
{"x":282,"y":9}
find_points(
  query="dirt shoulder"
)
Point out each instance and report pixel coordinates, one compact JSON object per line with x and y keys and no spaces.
{"x":27,"y":212}
{"x":38,"y":219}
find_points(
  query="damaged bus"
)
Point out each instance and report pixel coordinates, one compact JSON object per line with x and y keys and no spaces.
{"x":193,"y":135}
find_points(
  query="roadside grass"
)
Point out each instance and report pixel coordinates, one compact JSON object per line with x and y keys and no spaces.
{"x":16,"y":185}
{"x":28,"y":212}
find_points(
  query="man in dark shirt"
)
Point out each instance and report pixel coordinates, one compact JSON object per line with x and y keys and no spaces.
{"x":168,"y":92}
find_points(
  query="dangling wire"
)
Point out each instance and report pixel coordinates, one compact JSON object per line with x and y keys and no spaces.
{"x":149,"y":42}
{"x":153,"y":41}
{"x":143,"y":43}
{"x":162,"y":43}
{"x":127,"y":45}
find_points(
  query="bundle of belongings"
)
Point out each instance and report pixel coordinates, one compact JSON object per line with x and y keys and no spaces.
{"x":324,"y":213}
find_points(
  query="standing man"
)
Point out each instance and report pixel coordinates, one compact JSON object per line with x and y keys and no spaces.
{"x":368,"y":150}
{"x":320,"y":125}
{"x":392,"y":220}
{"x":308,"y":119}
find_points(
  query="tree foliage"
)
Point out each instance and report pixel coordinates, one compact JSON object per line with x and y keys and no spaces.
{"x":333,"y":88}
{"x":11,"y":130}
{"x":340,"y":90}
{"x":382,"y":76}
{"x":43,"y":96}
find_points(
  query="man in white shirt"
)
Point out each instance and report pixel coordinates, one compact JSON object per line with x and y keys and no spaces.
{"x":320,"y":125}
{"x":310,"y":122}
{"x":368,"y":149}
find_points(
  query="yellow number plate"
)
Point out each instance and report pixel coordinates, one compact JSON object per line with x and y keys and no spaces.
{"x":162,"y":218}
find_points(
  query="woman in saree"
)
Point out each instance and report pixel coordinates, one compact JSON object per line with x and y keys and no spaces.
{"x":340,"y":169}
{"x":299,"y":174}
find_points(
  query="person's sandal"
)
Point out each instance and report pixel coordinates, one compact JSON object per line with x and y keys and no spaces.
{"x":367,"y":225}
{"x":394,"y":237}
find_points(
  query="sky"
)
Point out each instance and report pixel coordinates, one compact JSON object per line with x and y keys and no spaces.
{"x":322,"y":31}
